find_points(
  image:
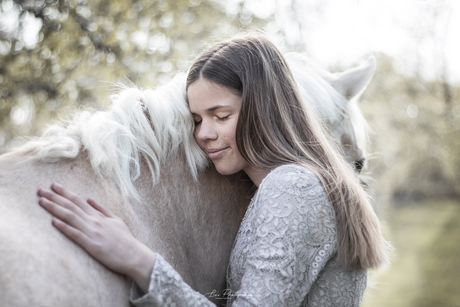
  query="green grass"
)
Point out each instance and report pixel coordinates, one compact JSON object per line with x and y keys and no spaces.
{"x":425,"y":269}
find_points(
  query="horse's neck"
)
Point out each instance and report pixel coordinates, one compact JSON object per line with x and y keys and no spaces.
{"x":192,"y":224}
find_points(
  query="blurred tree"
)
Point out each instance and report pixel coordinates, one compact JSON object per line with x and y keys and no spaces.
{"x":80,"y":43}
{"x":416,"y":142}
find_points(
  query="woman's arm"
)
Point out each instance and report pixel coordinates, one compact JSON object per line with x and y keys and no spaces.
{"x":107,"y":239}
{"x":167,"y":288}
{"x":100,"y":233}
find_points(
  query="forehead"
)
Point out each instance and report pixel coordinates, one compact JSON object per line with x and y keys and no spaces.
{"x":204,"y":95}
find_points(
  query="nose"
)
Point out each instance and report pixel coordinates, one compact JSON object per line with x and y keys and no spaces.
{"x":205,"y":131}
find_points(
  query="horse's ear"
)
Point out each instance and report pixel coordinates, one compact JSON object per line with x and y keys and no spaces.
{"x":353,"y":81}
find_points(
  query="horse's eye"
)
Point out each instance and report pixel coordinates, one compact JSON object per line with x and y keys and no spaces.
{"x":359,"y":165}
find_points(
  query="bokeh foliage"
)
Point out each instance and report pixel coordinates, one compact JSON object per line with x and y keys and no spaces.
{"x":82,"y":43}
{"x":416,"y":144}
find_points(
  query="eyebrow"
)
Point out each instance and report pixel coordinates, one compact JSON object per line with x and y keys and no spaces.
{"x":213,"y":108}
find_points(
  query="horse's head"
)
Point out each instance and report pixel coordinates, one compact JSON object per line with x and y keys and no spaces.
{"x":334,"y":98}
{"x":353,"y":129}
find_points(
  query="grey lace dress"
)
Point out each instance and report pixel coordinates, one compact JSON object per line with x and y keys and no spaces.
{"x":285,"y":253}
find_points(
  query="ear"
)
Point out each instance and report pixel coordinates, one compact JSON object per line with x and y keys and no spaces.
{"x":353,"y":81}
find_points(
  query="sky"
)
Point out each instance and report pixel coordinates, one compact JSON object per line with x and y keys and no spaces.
{"x":339,"y":32}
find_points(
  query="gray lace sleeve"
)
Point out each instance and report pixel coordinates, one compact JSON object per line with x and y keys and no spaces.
{"x":167,"y":288}
{"x":285,"y":240}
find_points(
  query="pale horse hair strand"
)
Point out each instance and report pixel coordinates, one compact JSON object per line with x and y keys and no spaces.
{"x":148,"y":124}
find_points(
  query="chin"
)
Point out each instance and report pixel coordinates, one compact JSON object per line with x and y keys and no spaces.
{"x":225,"y":170}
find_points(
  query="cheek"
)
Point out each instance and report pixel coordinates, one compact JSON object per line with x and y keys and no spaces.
{"x":231,"y":133}
{"x":227,"y":136}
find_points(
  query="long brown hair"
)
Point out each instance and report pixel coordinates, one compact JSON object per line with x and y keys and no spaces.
{"x":275,"y":127}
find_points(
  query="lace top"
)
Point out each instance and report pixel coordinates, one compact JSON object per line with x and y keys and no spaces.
{"x":285,"y":253}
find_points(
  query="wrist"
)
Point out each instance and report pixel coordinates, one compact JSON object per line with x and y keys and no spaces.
{"x":142,"y":267}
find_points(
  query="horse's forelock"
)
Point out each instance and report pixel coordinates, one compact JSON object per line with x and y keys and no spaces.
{"x":360,"y":126}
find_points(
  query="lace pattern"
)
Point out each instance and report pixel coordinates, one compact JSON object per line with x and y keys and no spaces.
{"x":285,"y":252}
{"x":168,"y":289}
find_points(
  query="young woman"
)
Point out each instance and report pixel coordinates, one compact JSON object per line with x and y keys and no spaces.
{"x":309,"y":234}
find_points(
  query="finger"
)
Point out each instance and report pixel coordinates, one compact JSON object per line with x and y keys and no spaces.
{"x":72,"y":233}
{"x":64,"y":214}
{"x":100,"y":208}
{"x":74,"y":198}
{"x":63,"y":202}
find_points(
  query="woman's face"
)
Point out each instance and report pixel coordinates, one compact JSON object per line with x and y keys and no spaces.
{"x":215,"y":109}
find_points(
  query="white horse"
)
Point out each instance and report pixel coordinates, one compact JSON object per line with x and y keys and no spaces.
{"x":334,"y":97}
{"x":140,"y":160}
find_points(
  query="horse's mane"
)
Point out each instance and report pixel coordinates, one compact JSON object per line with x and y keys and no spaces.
{"x":141,"y":124}
{"x":326,"y":101}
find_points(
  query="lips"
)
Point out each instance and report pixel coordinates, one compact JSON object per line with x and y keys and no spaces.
{"x":216,"y":153}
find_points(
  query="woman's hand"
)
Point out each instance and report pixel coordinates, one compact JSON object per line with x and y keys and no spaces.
{"x":100,"y":233}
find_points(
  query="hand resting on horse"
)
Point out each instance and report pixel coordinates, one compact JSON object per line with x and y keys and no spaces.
{"x":100,"y":233}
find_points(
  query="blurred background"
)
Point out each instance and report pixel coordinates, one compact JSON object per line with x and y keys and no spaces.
{"x":58,"y":56}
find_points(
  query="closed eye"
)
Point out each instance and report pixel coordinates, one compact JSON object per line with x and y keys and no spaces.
{"x":223,"y":118}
